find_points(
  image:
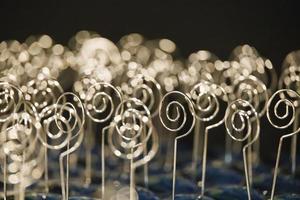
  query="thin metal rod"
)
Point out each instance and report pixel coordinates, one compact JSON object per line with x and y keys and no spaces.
{"x":276,"y":168}
{"x":196,"y":145}
{"x":103,"y":162}
{"x":46,"y":177}
{"x":174,"y":169}
{"x":294,"y":143}
{"x":250,"y":161}
{"x":204,"y":159}
{"x":256,"y":151}
{"x":146,"y":171}
{"x":88,"y":154}
{"x":132,"y":181}
{"x":67,"y":173}
{"x":246,"y":173}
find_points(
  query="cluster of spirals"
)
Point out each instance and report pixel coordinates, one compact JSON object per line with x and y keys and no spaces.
{"x":240,"y":119}
{"x":20,"y":145}
{"x":174,"y":110}
{"x":62,"y":122}
{"x":281,"y":108}
{"x":131,"y":129}
{"x":205,"y":97}
{"x":101,"y":100}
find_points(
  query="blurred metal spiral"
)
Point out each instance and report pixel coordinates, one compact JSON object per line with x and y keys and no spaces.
{"x":42,"y":92}
{"x":146,"y":89}
{"x":252,"y":90}
{"x":290,"y":79}
{"x":101,"y":100}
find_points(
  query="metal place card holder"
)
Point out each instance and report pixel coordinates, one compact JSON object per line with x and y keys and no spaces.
{"x":176,"y":122}
{"x":289,"y":100}
{"x":290,"y":79}
{"x":242,"y":125}
{"x":207,"y":98}
{"x":68,"y":118}
{"x":148,"y":90}
{"x":255,"y":92}
{"x":101,"y":102}
{"x":130,"y":134}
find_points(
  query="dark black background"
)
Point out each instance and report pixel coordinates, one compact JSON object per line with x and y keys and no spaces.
{"x":273,"y":27}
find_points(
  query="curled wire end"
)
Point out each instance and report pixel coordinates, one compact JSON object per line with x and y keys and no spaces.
{"x":239,"y":120}
{"x":146,"y":89}
{"x":174,"y":110}
{"x":42,"y":92}
{"x":206,"y":98}
{"x":62,"y":121}
{"x":131,"y":131}
{"x":11,"y":99}
{"x":71,"y":108}
{"x":284,"y":102}
{"x":101,"y":100}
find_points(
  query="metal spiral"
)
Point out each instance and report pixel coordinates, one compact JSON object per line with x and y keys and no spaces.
{"x":252,"y":90}
{"x":239,"y":118}
{"x":62,"y":121}
{"x":131,"y":129}
{"x":11,"y":98}
{"x":146,"y":89}
{"x":101,"y":100}
{"x":174,"y":116}
{"x":42,"y":92}
{"x":288,"y":99}
{"x":206,"y":99}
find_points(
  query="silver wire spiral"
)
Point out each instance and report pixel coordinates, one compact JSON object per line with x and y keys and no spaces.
{"x":62,"y":121}
{"x":11,"y":98}
{"x":173,"y":115}
{"x":288,"y":99}
{"x":240,"y":116}
{"x":101,"y":100}
{"x":131,"y":129}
